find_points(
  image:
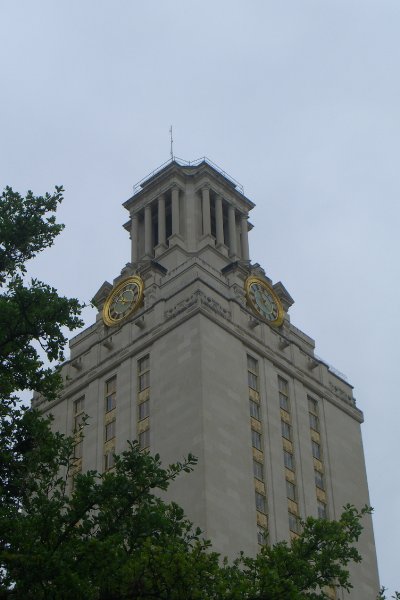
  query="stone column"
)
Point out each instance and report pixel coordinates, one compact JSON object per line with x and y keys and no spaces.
{"x":134,"y":237}
{"x":148,"y":243}
{"x":175,"y":211}
{"x":206,"y":210}
{"x":232,"y":232}
{"x":219,"y":220}
{"x":245,"y":237}
{"x":161,"y":221}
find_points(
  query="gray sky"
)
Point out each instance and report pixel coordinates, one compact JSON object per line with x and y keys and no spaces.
{"x":297,"y":99}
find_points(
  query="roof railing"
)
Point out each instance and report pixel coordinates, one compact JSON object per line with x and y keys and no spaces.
{"x":188,"y":163}
{"x":333,"y":369}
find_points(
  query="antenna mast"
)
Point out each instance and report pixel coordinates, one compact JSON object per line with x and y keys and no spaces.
{"x":172,"y":142}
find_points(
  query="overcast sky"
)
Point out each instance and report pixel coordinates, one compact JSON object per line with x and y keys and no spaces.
{"x":297,"y":99}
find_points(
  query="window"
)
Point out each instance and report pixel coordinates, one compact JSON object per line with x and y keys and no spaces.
{"x":144,"y":373}
{"x":290,"y":490}
{"x":144,"y":439}
{"x":79,"y":415}
{"x":79,"y":405}
{"x":144,"y":363}
{"x":109,"y":460}
{"x":256,"y":439}
{"x":78,"y":449}
{"x":312,"y":405}
{"x":288,"y":460}
{"x":286,"y":430}
{"x":283,"y":393}
{"x":144,"y":410}
{"x":261,"y":535}
{"x":316,"y":450}
{"x":314,"y":421}
{"x":283,"y":385}
{"x":322,"y":511}
{"x":111,"y":388}
{"x":258,"y":470}
{"x":293,"y":523}
{"x":319,"y":480}
{"x":284,"y":402}
{"x":79,"y":421}
{"x":255,"y":410}
{"x":110,"y":430}
{"x":252,"y":364}
{"x":252,"y":372}
{"x":252,"y":380}
{"x":260,"y":502}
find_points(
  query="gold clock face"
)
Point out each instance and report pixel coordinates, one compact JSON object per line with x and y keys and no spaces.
{"x":264,"y":301}
{"x":124,"y":299}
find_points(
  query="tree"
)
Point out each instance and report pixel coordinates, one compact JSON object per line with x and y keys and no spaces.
{"x":31,"y":312}
{"x":109,"y":536}
{"x":112,"y":537}
{"x":32,"y":315}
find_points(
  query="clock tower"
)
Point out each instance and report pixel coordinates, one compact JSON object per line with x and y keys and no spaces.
{"x":193,"y":351}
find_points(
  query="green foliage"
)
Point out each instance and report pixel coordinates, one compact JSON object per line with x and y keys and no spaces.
{"x":111,"y":537}
{"x":27,"y":226}
{"x":382,"y":596}
{"x":317,"y":559}
{"x":31,"y":314}
{"x":56,"y":544}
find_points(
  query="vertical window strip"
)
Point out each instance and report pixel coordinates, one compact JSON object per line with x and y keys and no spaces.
{"x":79,"y":414}
{"x":143,"y":402}
{"x":144,"y":373}
{"x":78,"y":424}
{"x":252,"y":373}
{"x":110,"y":423}
{"x":316,"y":449}
{"x":257,"y":444}
{"x":288,"y":457}
{"x":111,"y":393}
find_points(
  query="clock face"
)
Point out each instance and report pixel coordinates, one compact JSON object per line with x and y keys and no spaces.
{"x":124,"y":299}
{"x":264,"y":301}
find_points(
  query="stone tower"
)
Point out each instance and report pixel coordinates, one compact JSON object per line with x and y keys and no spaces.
{"x":193,"y":351}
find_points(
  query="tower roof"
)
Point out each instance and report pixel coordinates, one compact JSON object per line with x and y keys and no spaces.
{"x":196,"y":169}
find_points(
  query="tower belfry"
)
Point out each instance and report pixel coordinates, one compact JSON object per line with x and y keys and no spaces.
{"x":189,"y":206}
{"x":193,"y":351}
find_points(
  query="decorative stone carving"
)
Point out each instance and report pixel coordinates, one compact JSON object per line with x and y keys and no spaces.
{"x":150,"y":295}
{"x":240,"y":294}
{"x":341,"y":393}
{"x":181,"y":307}
{"x":198,"y":298}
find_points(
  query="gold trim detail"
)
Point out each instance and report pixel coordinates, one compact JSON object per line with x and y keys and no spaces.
{"x":129,"y":283}
{"x":262,"y":519}
{"x":293,"y":507}
{"x":287,"y":445}
{"x":318,"y":466}
{"x":315,"y":436}
{"x":258,"y":455}
{"x":252,"y":301}
{"x":109,"y":446}
{"x":290,"y":475}
{"x":143,"y":425}
{"x":110,"y":416}
{"x":254,"y":395}
{"x":259,"y":486}
{"x":255,"y":424}
{"x":144,"y":395}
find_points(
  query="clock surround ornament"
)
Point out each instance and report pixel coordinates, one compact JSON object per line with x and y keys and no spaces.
{"x":264,"y":301}
{"x":124,"y":299}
